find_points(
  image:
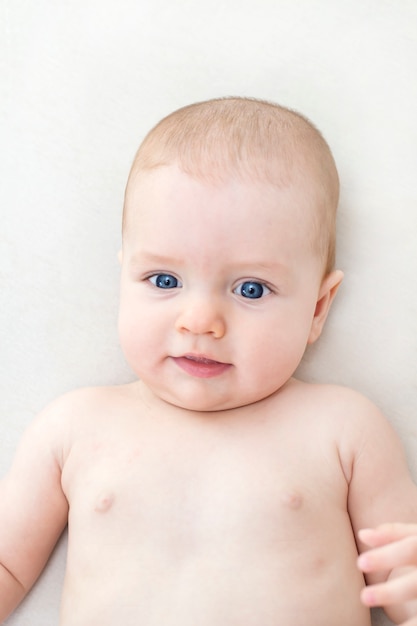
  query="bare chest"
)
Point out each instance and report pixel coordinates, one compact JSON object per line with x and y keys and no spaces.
{"x":180,"y":515}
{"x":201,"y":488}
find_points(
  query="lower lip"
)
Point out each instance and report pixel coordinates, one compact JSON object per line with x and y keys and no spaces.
{"x":201,"y":368}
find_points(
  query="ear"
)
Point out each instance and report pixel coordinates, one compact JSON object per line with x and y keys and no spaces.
{"x":120,"y":256}
{"x":327,"y":292}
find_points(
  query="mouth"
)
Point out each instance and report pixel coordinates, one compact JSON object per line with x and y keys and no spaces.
{"x":201,"y":366}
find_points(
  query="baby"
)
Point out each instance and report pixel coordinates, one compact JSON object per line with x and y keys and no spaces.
{"x":218,"y":490}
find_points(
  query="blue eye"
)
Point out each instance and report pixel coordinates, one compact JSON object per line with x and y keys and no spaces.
{"x":165,"y":281}
{"x":252,"y":289}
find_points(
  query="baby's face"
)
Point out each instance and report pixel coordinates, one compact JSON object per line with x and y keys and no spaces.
{"x":219,"y":287}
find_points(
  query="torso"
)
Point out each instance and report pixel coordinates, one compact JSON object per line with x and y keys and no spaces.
{"x":178,"y":519}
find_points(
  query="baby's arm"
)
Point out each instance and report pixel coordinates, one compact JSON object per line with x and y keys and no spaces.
{"x":381,"y":491}
{"x":33,"y":509}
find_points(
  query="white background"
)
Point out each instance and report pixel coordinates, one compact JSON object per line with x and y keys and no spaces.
{"x":81,"y":83}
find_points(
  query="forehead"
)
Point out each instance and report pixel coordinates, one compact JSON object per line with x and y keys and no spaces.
{"x":170,"y":192}
{"x":169,"y":210}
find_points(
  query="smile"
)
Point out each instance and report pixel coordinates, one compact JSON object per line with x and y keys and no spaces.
{"x":201,"y":366}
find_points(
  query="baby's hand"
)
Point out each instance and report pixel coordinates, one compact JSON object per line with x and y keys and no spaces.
{"x":393,"y":548}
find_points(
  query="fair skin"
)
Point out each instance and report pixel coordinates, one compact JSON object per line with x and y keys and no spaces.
{"x":217,"y":489}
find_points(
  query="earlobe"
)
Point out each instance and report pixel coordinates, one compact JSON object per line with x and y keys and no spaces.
{"x":328,"y":290}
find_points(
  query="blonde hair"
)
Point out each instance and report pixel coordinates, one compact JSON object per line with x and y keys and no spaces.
{"x":248,"y":138}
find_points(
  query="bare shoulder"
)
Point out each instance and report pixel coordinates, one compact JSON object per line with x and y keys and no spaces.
{"x":90,"y":397}
{"x":366,"y":435}
{"x":49,"y":438}
{"x":363,"y":435}
{"x":356,"y":423}
{"x":86,"y":401}
{"x":54,"y":427}
{"x":339,"y":403}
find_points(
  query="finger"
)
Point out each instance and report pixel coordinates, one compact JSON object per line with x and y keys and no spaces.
{"x":397,"y":554}
{"x":395,"y":591}
{"x":385,"y":533}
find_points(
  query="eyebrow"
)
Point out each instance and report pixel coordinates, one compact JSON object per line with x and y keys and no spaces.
{"x":159,"y":260}
{"x":164,"y":261}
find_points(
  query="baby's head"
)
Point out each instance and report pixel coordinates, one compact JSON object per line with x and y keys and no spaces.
{"x":254,"y":141}
{"x":228,"y":250}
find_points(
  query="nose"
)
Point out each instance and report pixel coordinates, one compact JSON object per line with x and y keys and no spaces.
{"x":201,"y":316}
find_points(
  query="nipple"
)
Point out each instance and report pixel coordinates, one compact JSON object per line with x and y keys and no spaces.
{"x":292,"y":500}
{"x":104,"y":502}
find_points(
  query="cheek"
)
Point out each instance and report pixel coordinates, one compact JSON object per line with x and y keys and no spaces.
{"x":134,"y":336}
{"x":279,"y":343}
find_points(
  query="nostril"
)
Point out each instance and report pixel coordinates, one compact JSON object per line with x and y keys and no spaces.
{"x":201,"y":322}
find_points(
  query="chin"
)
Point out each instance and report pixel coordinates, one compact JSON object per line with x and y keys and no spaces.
{"x":209,"y":405}
{"x":198,"y":404}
